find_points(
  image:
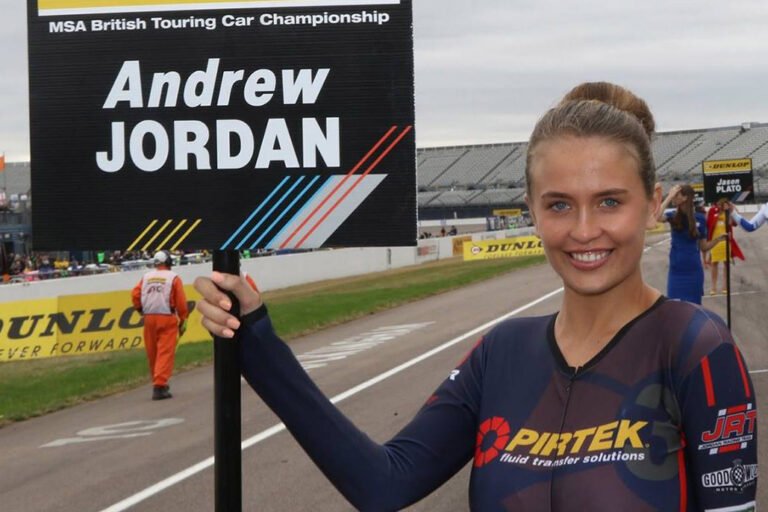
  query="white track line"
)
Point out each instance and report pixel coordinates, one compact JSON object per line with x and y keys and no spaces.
{"x":265,"y":434}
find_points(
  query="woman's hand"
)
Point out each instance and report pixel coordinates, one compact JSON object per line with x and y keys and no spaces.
{"x":215,"y":304}
{"x":673,"y":191}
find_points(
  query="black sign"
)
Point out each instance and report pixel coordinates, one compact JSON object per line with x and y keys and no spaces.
{"x":222,"y":128}
{"x":729,"y":179}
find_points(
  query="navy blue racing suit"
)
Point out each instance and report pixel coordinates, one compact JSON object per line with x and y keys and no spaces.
{"x":663,"y":418}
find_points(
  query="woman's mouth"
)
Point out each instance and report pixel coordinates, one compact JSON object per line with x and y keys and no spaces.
{"x":589,"y":259}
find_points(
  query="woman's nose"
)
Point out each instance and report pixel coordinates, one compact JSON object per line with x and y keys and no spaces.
{"x":586,"y":227}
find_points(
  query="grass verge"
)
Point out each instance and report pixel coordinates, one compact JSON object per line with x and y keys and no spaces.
{"x":32,"y":388}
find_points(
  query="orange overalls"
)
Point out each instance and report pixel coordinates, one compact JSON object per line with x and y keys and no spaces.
{"x":160,"y":298}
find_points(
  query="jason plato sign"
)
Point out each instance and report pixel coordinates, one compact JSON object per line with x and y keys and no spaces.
{"x":730,"y":179}
{"x":222,"y":125}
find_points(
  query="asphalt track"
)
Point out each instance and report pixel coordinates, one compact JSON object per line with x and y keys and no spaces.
{"x":129,"y":453}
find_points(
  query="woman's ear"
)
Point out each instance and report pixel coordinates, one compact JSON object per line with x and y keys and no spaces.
{"x":654,"y":209}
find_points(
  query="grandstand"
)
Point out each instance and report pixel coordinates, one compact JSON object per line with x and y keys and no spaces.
{"x":472,"y":181}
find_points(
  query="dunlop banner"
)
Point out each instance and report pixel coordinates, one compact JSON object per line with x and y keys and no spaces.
{"x":75,"y":325}
{"x":509,"y":212}
{"x":503,"y":248}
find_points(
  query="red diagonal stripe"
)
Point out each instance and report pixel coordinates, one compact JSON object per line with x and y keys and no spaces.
{"x":338,"y":185}
{"x":355,"y":184}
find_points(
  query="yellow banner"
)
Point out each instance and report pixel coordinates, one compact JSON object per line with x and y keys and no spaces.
{"x":727,"y":166}
{"x":503,"y":248}
{"x":508,"y":212}
{"x":74,"y":325}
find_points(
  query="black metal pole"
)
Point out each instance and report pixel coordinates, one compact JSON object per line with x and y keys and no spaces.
{"x":728,"y":264}
{"x":226,"y":398}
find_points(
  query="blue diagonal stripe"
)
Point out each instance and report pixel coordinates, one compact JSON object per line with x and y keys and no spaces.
{"x":298,"y":215}
{"x":271,"y":210}
{"x":252,"y":215}
{"x":286,"y":210}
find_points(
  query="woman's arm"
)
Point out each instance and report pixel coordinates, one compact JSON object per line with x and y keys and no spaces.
{"x":706,"y":245}
{"x":719,"y":423}
{"x":670,"y":196}
{"x":756,"y":221}
{"x":428,"y":451}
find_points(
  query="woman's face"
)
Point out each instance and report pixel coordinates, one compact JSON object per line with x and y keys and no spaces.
{"x":680,"y":199}
{"x":591,"y":211}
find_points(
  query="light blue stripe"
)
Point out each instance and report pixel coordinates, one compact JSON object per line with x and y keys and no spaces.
{"x":298,"y":215}
{"x":271,"y":210}
{"x":250,"y":218}
{"x":287,"y":209}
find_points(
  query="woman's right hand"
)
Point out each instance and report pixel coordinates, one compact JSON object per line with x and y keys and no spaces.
{"x":215,"y":304}
{"x":673,"y":191}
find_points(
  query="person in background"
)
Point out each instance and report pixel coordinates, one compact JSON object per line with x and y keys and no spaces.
{"x":685,"y":278}
{"x":716,"y":228}
{"x":754,"y":223}
{"x":618,"y":401}
{"x":159,"y":297}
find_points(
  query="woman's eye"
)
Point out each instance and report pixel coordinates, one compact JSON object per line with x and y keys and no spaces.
{"x":610,"y":202}
{"x":558,"y":206}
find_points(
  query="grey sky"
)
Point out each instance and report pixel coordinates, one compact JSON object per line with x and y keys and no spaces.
{"x":486,"y":69}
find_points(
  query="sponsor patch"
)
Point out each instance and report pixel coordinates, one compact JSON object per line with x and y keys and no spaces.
{"x":733,"y":430}
{"x":737,"y":478}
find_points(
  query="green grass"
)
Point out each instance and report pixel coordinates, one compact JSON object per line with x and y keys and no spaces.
{"x":32,"y":388}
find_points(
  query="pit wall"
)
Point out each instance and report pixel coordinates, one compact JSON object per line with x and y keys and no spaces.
{"x":270,"y":272}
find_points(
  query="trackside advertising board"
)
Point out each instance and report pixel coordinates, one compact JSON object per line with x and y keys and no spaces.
{"x":503,"y":248}
{"x":74,"y":325}
{"x":730,"y":179}
{"x":209,"y":124}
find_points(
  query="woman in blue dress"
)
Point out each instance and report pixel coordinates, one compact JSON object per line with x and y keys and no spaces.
{"x":685,"y":280}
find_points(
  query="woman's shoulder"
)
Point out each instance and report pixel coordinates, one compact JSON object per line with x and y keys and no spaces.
{"x":690,"y":331}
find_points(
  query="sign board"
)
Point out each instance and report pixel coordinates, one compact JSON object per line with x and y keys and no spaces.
{"x":503,"y":248}
{"x":202,"y":124}
{"x":731,"y":179}
{"x":508,"y":212}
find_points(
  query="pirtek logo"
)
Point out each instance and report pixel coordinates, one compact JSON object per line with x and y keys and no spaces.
{"x":614,"y":435}
{"x":83,"y":321}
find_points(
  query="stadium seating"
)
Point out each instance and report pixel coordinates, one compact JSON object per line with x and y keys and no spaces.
{"x":493,"y":175}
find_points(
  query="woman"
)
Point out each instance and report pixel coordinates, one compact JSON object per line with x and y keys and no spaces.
{"x":610,"y":404}
{"x":716,"y":228}
{"x":685,"y":279}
